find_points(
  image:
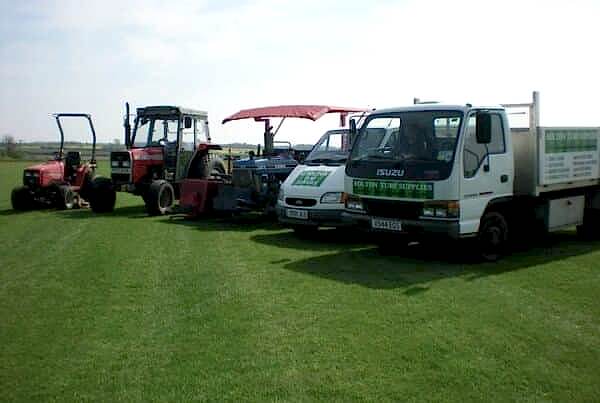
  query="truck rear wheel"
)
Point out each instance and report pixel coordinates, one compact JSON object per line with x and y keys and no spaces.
{"x":102,"y":195}
{"x":22,"y":199}
{"x":492,"y":237}
{"x":65,"y":198}
{"x":160,"y":198}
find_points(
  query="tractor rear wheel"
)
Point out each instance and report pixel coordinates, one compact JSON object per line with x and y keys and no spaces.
{"x":160,"y":198}
{"x":22,"y":199}
{"x":102,"y":195}
{"x":65,"y":198}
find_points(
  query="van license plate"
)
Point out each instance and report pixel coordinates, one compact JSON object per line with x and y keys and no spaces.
{"x":390,"y":225}
{"x":299,"y":214}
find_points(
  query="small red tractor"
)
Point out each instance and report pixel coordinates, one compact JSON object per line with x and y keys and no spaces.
{"x":164,"y":148}
{"x":63,"y":182}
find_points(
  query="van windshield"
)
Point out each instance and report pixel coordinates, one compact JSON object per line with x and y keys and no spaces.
{"x":331,"y":148}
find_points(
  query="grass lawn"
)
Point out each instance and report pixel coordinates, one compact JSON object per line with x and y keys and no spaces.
{"x":123,"y":307}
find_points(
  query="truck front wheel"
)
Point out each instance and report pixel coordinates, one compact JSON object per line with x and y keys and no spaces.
{"x":492,"y":237}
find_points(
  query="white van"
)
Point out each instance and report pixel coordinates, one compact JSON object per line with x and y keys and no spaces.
{"x":311,"y":196}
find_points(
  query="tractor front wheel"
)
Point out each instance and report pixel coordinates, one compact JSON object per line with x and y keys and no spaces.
{"x":65,"y":198}
{"x":22,"y":199}
{"x":102,"y":195}
{"x":159,"y":198}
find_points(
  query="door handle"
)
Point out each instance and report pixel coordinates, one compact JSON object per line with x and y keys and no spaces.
{"x":504,"y":178}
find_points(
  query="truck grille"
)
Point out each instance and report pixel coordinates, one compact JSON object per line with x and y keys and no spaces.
{"x":393,"y":209}
{"x":295,"y":201}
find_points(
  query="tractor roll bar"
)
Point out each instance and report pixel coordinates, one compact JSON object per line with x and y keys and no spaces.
{"x":57,"y":116}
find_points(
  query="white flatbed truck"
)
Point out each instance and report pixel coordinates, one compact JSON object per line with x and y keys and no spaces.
{"x":460,"y":171}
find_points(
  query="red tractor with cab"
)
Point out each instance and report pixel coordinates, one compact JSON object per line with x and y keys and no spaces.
{"x":63,"y":182}
{"x":165,"y":146}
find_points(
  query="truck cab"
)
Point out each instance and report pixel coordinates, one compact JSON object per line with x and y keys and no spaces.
{"x":460,"y":171}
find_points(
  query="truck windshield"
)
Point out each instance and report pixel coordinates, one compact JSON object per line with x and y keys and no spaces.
{"x":423,"y":141}
{"x":331,"y":148}
{"x":153,"y":132}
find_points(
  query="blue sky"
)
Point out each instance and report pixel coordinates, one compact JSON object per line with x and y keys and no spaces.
{"x":221,"y":56}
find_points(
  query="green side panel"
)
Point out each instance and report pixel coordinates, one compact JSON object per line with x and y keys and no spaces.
{"x":311,"y":178}
{"x":568,"y":141}
{"x":405,"y":190}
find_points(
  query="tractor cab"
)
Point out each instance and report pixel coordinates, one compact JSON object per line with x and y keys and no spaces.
{"x":163,"y":141}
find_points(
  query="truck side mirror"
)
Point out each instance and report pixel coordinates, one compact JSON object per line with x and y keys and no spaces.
{"x":483,"y":132}
{"x":187,"y":122}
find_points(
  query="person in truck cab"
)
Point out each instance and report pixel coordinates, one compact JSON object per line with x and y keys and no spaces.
{"x":414,"y":144}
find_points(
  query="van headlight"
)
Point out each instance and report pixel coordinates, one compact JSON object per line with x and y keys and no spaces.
{"x":354,"y":203}
{"x":441,"y":209}
{"x":331,"y":198}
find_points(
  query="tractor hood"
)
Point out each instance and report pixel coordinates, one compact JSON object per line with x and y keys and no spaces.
{"x":48,"y":166}
{"x":314,"y":180}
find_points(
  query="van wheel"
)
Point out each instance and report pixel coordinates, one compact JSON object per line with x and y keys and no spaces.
{"x":160,"y":198}
{"x":492,"y":237}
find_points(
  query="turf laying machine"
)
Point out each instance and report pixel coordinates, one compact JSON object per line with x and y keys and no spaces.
{"x":167,"y":144}
{"x":64,"y":182}
{"x":253,"y":183}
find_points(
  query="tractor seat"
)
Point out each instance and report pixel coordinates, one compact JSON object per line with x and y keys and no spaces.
{"x":72,"y":162}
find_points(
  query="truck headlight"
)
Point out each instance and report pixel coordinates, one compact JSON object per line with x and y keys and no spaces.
{"x":354,"y":203}
{"x":331,"y":197}
{"x":126,"y":164}
{"x":114,"y":163}
{"x":280,"y":195}
{"x":441,"y":209}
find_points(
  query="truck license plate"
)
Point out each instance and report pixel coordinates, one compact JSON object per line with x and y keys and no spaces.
{"x":299,"y":214}
{"x":382,"y":223}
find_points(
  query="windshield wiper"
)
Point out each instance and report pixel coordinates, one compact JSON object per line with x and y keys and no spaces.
{"x":325,"y":160}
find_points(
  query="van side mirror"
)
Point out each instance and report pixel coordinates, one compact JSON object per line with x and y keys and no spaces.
{"x":352,"y":133}
{"x":187,"y":122}
{"x":483,"y":132}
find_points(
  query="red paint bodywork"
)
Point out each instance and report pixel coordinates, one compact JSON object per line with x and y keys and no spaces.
{"x":144,"y":158}
{"x":53,"y":172}
{"x":196,"y":195}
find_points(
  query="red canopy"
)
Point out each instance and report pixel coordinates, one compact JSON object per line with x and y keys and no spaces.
{"x":312,"y":112}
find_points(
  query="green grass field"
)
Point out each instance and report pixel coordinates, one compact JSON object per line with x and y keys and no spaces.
{"x":123,"y":307}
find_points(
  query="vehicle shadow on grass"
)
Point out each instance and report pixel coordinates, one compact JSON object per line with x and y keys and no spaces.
{"x":241,"y":223}
{"x":137,"y":211}
{"x":415,"y":267}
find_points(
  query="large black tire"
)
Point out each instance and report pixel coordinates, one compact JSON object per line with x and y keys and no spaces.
{"x":160,"y":198}
{"x":65,"y":198}
{"x":22,"y":199}
{"x":102,"y":195}
{"x":492,"y":238}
